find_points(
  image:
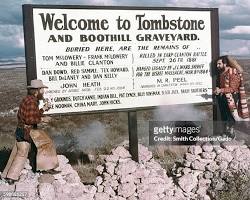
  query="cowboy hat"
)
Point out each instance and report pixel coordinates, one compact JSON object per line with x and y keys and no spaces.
{"x":36,"y":84}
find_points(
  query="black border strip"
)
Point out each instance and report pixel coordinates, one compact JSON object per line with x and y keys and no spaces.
{"x":217,"y":127}
{"x":53,"y":6}
{"x":30,"y":54}
{"x":215,"y":54}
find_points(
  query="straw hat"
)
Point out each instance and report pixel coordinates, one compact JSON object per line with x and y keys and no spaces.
{"x":36,"y":84}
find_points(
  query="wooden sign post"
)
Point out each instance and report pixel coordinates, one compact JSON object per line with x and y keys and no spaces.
{"x":133,"y":135}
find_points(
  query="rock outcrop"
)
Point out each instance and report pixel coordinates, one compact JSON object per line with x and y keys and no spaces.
{"x":209,"y":168}
{"x":122,"y":178}
{"x":39,"y":186}
{"x":205,"y":169}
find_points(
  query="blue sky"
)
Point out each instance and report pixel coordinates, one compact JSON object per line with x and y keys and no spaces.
{"x":234,"y":16}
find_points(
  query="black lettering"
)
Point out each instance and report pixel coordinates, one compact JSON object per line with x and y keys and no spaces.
{"x":48,"y":21}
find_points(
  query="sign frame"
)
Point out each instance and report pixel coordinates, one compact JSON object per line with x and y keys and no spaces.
{"x":30,"y":54}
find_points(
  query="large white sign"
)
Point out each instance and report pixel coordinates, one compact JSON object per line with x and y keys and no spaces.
{"x":100,"y":59}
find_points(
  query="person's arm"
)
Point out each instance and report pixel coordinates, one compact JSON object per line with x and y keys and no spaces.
{"x":234,"y":84}
{"x":33,"y":114}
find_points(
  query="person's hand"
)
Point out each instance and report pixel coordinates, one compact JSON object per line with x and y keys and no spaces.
{"x":217,"y":91}
{"x":47,"y":105}
{"x":45,"y":119}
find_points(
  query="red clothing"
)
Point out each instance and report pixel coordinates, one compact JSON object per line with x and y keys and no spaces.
{"x":29,"y":113}
{"x":234,"y":82}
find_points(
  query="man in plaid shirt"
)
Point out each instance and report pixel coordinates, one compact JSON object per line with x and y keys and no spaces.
{"x":28,"y":116}
{"x":27,"y":135}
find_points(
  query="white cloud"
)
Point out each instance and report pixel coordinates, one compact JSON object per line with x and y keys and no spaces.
{"x":190,"y":3}
{"x":102,"y":2}
{"x":12,"y":35}
{"x":201,"y":3}
{"x":12,"y":60}
{"x":226,"y":9}
{"x":241,"y":51}
{"x":243,"y":3}
{"x":235,"y":47}
{"x":225,"y":6}
{"x":19,"y":41}
{"x":238,"y":30}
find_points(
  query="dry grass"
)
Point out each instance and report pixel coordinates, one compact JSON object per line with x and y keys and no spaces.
{"x":168,"y":155}
{"x":86,"y":172}
{"x":13,"y":87}
{"x":237,"y":189}
{"x":7,"y":132}
{"x":85,"y":164}
{"x":7,"y":142}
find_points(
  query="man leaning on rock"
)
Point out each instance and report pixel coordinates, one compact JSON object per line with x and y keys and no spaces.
{"x":29,"y":136}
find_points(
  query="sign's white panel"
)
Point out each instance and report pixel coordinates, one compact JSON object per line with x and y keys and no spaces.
{"x":101,"y":59}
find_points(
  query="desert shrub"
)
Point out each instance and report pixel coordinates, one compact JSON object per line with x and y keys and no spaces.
{"x":166,"y":158}
{"x":237,"y":188}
